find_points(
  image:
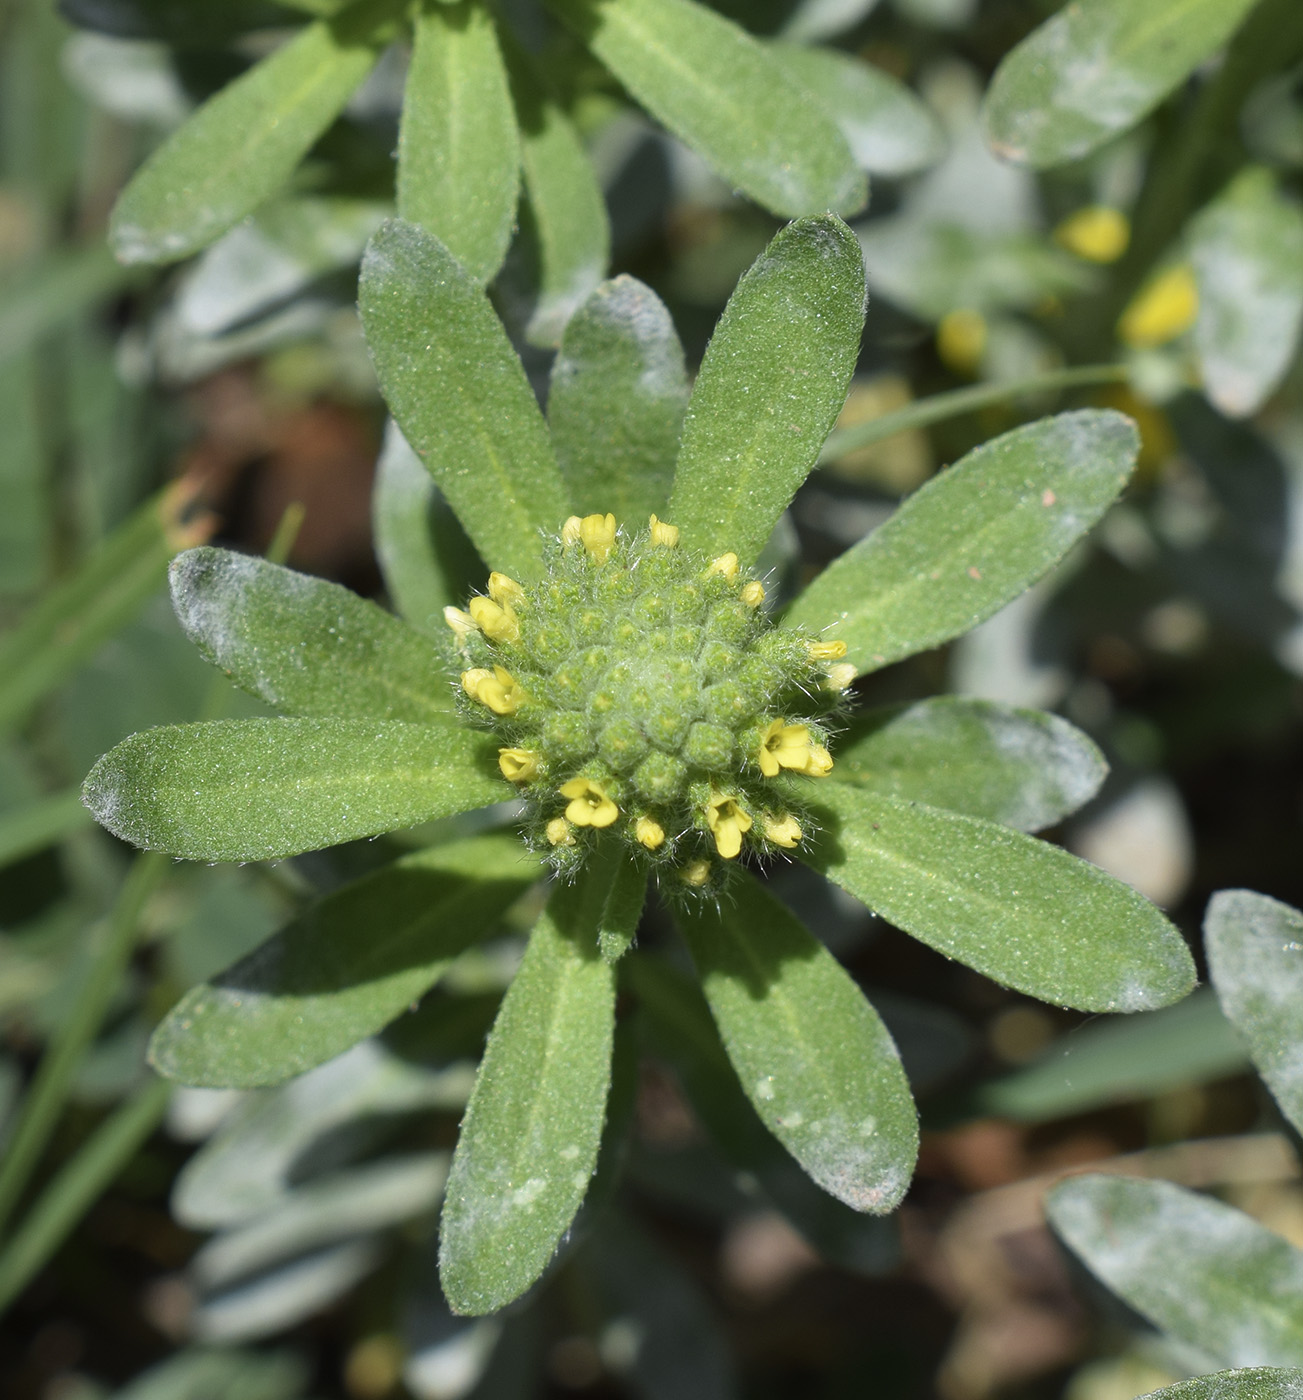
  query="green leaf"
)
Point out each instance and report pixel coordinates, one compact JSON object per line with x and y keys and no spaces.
{"x":1095,"y":69}
{"x":973,"y":538}
{"x":622,"y":911}
{"x":458,"y":155}
{"x":1255,"y":959}
{"x":31,"y":826}
{"x":773,"y":380}
{"x":529,"y":1140}
{"x":460,"y":396}
{"x":1252,"y":1383}
{"x":719,"y":91}
{"x":305,"y":646}
{"x":347,"y":966}
{"x":812,"y":1055}
{"x":1246,"y":248}
{"x":262,"y":789}
{"x":59,"y":288}
{"x":564,"y":214}
{"x":1021,"y":911}
{"x":618,"y":394}
{"x":1119,"y":1059}
{"x":1021,"y":768}
{"x":1200,"y":1270}
{"x":890,"y":130}
{"x":242,"y":145}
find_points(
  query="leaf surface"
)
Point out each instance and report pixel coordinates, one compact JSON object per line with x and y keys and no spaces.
{"x":1251,"y":1383}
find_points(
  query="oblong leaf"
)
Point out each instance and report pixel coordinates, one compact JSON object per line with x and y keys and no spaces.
{"x":262,"y":789}
{"x":458,"y":156}
{"x":1251,"y":1383}
{"x":721,"y":93}
{"x":1096,"y":68}
{"x":773,"y":380}
{"x":343,"y":969}
{"x":460,"y":396}
{"x":1021,"y":911}
{"x":303,"y":645}
{"x":1246,"y":249}
{"x":242,"y":145}
{"x":1255,"y":959}
{"x":529,"y":1140}
{"x":810,"y":1052}
{"x":973,"y":538}
{"x":890,"y":130}
{"x":1200,"y":1270}
{"x":615,"y":407}
{"x":1021,"y":768}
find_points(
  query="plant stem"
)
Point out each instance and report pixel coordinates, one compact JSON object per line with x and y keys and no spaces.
{"x":924,"y":412}
{"x":77,"y":1185}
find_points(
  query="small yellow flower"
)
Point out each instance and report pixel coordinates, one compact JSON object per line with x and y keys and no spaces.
{"x":667,"y":536}
{"x":589,"y":804}
{"x":499,"y":624}
{"x":840,"y":677}
{"x":819,"y":764}
{"x":1097,"y":233}
{"x":505,"y":591}
{"x":827,"y":651}
{"x":558,"y":832}
{"x":597,"y":535}
{"x":696,"y":874}
{"x":518,"y":765}
{"x":470,"y":680}
{"x":650,"y":832}
{"x":1163,"y":309}
{"x":728,"y":824}
{"x":570,"y":531}
{"x":497,"y":689}
{"x":725,"y":566}
{"x":753,"y":594}
{"x":462,"y":624}
{"x":786,"y":746}
{"x":783,"y":831}
{"x":961,"y":340}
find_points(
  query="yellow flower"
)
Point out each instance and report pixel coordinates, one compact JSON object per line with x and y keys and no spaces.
{"x":783,"y":831}
{"x":728,"y":824}
{"x":961,"y":340}
{"x":570,"y":531}
{"x":827,"y":651}
{"x":518,"y":765}
{"x":753,"y":594}
{"x":497,"y":689}
{"x":725,"y":566}
{"x":1163,"y":309}
{"x":667,"y":536}
{"x":819,"y":764}
{"x":788,"y":746}
{"x":589,"y":804}
{"x":498,"y":623}
{"x":462,"y":624}
{"x":505,"y":591}
{"x":597,"y":535}
{"x":841,"y":676}
{"x":649,"y":831}
{"x":1097,"y":233}
{"x":558,"y":832}
{"x":696,"y":874}
{"x":470,"y":680}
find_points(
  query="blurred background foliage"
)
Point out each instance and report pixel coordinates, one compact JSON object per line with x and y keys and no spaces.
{"x":278,"y":1243}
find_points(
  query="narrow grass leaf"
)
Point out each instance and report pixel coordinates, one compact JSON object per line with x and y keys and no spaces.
{"x":305,"y":646}
{"x":458,"y":155}
{"x":616,"y":404}
{"x":262,"y":789}
{"x":458,"y":392}
{"x":242,"y":145}
{"x":1255,"y":959}
{"x":810,"y":1052}
{"x":722,"y":93}
{"x":1096,"y":68}
{"x":773,"y":380}
{"x":529,"y":1140}
{"x":343,"y":969}
{"x":1021,"y":911}
{"x":1021,"y":768}
{"x":973,"y":538}
{"x":1201,"y":1271}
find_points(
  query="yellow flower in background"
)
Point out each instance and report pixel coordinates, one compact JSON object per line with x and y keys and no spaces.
{"x":1098,"y":233}
{"x":961,"y":340}
{"x":1164,"y":308}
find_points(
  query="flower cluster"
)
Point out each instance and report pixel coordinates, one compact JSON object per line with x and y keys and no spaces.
{"x":641,"y":689}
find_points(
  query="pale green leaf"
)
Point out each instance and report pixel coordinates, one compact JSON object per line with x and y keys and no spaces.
{"x":1246,"y":248}
{"x":261,"y":789}
{"x":773,"y":380}
{"x":719,"y":91}
{"x":1021,"y":768}
{"x":973,"y":538}
{"x":460,"y":396}
{"x":810,"y":1052}
{"x":529,"y":1140}
{"x":343,"y":969}
{"x":1096,"y":68}
{"x":242,"y":145}
{"x":891,"y":131}
{"x":1251,"y":1383}
{"x":1021,"y":911}
{"x":1200,"y":1270}
{"x":618,"y":394}
{"x":305,"y":646}
{"x":458,"y":155}
{"x":1255,"y":959}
